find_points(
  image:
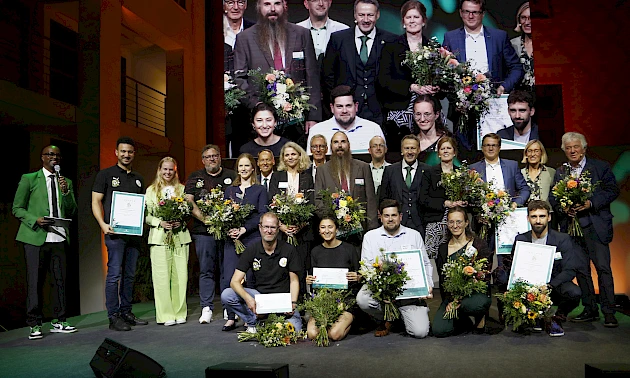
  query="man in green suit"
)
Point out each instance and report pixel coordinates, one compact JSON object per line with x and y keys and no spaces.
{"x":40,"y":195}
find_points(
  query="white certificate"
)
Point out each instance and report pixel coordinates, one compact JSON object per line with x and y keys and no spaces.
{"x":497,"y":118}
{"x":273,"y":303}
{"x":416,"y":286}
{"x":331,"y":278}
{"x":532,"y":263}
{"x":127,"y":214}
{"x":516,"y":223}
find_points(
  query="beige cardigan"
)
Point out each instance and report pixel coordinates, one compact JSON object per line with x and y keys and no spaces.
{"x":545,"y":181}
{"x":157,"y":233}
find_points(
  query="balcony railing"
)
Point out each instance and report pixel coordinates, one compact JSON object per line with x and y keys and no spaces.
{"x":143,"y":106}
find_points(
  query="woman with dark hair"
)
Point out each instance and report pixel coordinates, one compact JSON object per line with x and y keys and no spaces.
{"x":524,"y":47}
{"x":428,"y":127}
{"x":460,"y":240}
{"x":396,"y":88}
{"x":244,"y":190}
{"x":264,"y":121}
{"x":334,"y":253}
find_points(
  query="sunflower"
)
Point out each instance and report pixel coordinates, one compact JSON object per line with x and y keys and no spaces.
{"x":290,"y":327}
{"x":532,"y":315}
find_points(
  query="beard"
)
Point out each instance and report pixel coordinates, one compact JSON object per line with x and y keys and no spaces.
{"x":347,"y":123}
{"x":270,"y":32}
{"x":521,"y":124}
{"x":341,"y":164}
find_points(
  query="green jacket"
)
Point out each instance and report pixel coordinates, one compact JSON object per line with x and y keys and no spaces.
{"x":31,"y":203}
{"x":157,"y":233}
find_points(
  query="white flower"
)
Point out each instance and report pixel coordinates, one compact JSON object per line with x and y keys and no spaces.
{"x":299,"y":200}
{"x":168,"y":192}
{"x":281,"y":88}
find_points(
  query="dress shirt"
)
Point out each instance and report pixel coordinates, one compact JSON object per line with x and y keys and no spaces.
{"x":414,"y":169}
{"x":476,"y":52}
{"x":577,"y":171}
{"x":230,"y":36}
{"x":293,"y":183}
{"x":357,"y":39}
{"x":53,"y":237}
{"x":359,"y":134}
{"x":262,"y":180}
{"x":377,"y":174}
{"x":494,"y":173}
{"x":322,"y":36}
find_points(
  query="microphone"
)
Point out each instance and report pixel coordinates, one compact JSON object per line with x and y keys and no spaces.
{"x":57,"y":170}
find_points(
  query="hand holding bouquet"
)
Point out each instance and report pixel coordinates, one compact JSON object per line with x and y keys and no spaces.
{"x":292,"y":210}
{"x":571,"y":192}
{"x":273,"y":332}
{"x":171,"y":208}
{"x":494,"y":210}
{"x":385,"y":279}
{"x":349,"y":212}
{"x":473,"y":92}
{"x":326,"y":306}
{"x":524,"y":303}
{"x":463,"y":184}
{"x":433,"y":65}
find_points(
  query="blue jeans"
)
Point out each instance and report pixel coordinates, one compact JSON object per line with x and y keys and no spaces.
{"x":233,"y":302}
{"x":122,"y":256}
{"x":206,"y":249}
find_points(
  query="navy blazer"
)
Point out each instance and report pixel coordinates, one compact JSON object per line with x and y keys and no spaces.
{"x":513,"y":179}
{"x":504,"y":65}
{"x":393,"y":187}
{"x":254,"y":195}
{"x":508,"y":133}
{"x":606,"y":192}
{"x":305,"y":185}
{"x":565,"y":269}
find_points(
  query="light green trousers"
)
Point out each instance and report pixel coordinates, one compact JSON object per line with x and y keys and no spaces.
{"x":170,"y":279}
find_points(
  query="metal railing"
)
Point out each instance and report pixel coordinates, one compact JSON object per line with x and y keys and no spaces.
{"x":143,"y":106}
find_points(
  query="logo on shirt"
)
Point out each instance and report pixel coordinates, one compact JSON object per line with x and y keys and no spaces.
{"x":115,"y":182}
{"x":199,"y":184}
{"x":283,"y":262}
{"x":139,"y":183}
{"x":256,"y":265}
{"x":227,"y":181}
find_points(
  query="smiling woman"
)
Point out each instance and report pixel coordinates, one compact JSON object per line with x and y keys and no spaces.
{"x":264,"y":123}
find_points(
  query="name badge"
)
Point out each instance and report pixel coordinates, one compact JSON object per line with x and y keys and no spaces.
{"x":557,"y":256}
{"x":283,"y":185}
{"x":239,"y":195}
{"x":406,"y":247}
{"x":298,"y":55}
{"x":359,"y":181}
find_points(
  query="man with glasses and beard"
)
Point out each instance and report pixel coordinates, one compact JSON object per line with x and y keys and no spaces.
{"x":274,"y":43}
{"x":521,"y":110}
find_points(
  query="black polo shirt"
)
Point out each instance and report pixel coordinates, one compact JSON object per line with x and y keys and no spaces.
{"x":199,"y":183}
{"x":116,"y":179}
{"x":271,"y":272}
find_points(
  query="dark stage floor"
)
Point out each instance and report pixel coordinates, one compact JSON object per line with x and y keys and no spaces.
{"x":186,"y":350}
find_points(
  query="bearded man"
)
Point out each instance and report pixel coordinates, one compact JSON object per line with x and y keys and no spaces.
{"x":274,"y":43}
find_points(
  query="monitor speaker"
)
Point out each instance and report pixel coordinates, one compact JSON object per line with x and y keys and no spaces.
{"x":113,"y":359}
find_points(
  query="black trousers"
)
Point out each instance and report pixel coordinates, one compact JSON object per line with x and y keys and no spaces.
{"x":40,"y":260}
{"x":566,"y":296}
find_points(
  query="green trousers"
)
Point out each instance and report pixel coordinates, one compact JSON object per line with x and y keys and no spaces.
{"x":170,"y":279}
{"x":475,"y":305}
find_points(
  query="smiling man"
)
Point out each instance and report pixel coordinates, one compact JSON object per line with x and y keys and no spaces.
{"x":521,"y":110}
{"x":320,"y":25}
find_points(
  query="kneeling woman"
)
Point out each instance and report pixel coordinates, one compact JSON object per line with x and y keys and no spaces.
{"x":333,"y":253}
{"x":460,"y":238}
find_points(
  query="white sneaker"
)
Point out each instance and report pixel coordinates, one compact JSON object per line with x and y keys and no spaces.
{"x":169,"y":323}
{"x":206,"y":315}
{"x":251,"y":329}
{"x":181,"y":321}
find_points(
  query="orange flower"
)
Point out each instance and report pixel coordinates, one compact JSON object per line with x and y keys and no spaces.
{"x":531,"y":297}
{"x":501,"y":193}
{"x":480,"y":78}
{"x":572,"y":184}
{"x":468,"y":270}
{"x":236,"y":206}
{"x":347,"y":218}
{"x":335,"y":195}
{"x":299,"y":195}
{"x":287,"y":340}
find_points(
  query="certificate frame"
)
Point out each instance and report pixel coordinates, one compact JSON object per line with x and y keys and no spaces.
{"x":541,"y":251}
{"x":415,"y":256}
{"x":134,"y":204}
{"x":338,"y":286}
{"x":516,"y":223}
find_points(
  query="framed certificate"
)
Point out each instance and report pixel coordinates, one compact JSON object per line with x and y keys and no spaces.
{"x":516,"y":223}
{"x":417,"y":285}
{"x":127,"y":215}
{"x":273,"y":303}
{"x":532,"y":263}
{"x":331,"y":278}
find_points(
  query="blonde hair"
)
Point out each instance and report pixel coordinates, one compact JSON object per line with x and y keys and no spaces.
{"x":521,"y":9}
{"x":543,"y":153}
{"x":254,"y":177}
{"x":303,"y":164}
{"x":159,"y":183}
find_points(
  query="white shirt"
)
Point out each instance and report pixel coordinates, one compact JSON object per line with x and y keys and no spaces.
{"x":262,"y":180}
{"x":404,"y":240}
{"x":414,"y":168}
{"x":357,"y":39}
{"x":494,"y":174}
{"x":476,"y":52}
{"x":577,"y":171}
{"x":293,"y":183}
{"x":52,"y":237}
{"x":322,"y":36}
{"x":522,"y":138}
{"x":230,"y":36}
{"x":377,"y":174}
{"x":359,"y":134}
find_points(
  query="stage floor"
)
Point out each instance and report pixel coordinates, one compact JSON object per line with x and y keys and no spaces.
{"x":186,"y":350}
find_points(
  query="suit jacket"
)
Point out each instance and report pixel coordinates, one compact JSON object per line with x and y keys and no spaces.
{"x":503,"y":63}
{"x":605,"y":193}
{"x":508,"y":133}
{"x":306,"y":185}
{"x":31,"y":203}
{"x":393,"y":187}
{"x":513,"y":179}
{"x":432,"y":195}
{"x":564,"y":269}
{"x":250,"y":55}
{"x":363,"y":192}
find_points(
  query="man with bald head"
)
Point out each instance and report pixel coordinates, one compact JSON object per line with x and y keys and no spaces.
{"x":40,"y":196}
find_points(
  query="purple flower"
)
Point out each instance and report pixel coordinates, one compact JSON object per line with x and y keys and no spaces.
{"x":475,"y":87}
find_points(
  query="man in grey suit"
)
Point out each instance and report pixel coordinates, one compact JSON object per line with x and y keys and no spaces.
{"x":352,"y":175}
{"x":274,"y":43}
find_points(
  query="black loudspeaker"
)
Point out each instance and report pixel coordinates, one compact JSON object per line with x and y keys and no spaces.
{"x":113,"y":359}
{"x":242,"y":369}
{"x":606,"y":370}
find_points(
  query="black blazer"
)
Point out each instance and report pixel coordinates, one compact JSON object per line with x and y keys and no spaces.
{"x":508,"y":132}
{"x":442,"y":257}
{"x":432,"y":195}
{"x":393,"y":187}
{"x":306,"y":185}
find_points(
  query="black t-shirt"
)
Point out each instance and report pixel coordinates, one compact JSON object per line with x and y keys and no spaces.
{"x":254,"y":148}
{"x":116,"y":179}
{"x":271,"y":271}
{"x":200,"y":183}
{"x":342,"y":256}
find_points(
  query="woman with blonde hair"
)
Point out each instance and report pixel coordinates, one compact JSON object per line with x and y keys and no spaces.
{"x":538,"y":176}
{"x":169,"y":263}
{"x":524,"y":46}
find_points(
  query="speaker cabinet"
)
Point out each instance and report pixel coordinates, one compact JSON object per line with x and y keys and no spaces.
{"x":606,"y":370}
{"x":113,"y":359}
{"x":243,"y":369}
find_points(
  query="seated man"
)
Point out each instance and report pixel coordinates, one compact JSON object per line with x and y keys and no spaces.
{"x":568,"y":261}
{"x":392,"y":236}
{"x":276,"y":267}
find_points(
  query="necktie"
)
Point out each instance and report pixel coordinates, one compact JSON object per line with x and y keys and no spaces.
{"x":364,"y":52}
{"x":344,"y":182}
{"x":408,"y":177}
{"x":277,"y":57}
{"x":265,"y":184}
{"x":53,"y":191}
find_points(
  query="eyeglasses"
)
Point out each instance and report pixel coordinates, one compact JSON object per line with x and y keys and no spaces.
{"x":534,"y":152}
{"x":455,"y":223}
{"x":525,"y":18}
{"x":52,"y":155}
{"x":210,"y":157}
{"x":490,"y":145}
{"x":468,"y":13}
{"x":424,"y":115}
{"x":318,"y":147}
{"x":231,"y":3}
{"x":268,"y":228}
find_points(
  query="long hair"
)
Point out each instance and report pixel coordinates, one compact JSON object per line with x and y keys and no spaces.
{"x":269,"y":32}
{"x":470,"y":235}
{"x":253,"y":177}
{"x":304,"y":162}
{"x":159,"y":183}
{"x":440,"y":128}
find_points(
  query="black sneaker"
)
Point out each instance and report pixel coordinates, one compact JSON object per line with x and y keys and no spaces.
{"x":133,"y":320}
{"x":36,"y":333}
{"x":585,"y":316}
{"x":117,"y":323}
{"x":610,"y":321}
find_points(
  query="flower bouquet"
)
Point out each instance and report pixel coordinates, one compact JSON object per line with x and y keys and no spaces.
{"x":233,"y":94}
{"x":494,"y":210}
{"x":571,"y":191}
{"x":326,"y":306}
{"x":463,"y":184}
{"x":292,"y":210}
{"x":273,"y":332}
{"x":223,"y":215}
{"x":463,"y":277}
{"x":290,"y":99}
{"x":385,"y":279}
{"x":473,"y":92}
{"x":524,"y":303}
{"x":171,"y":208}
{"x":433,"y":65}
{"x":349,"y":212}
